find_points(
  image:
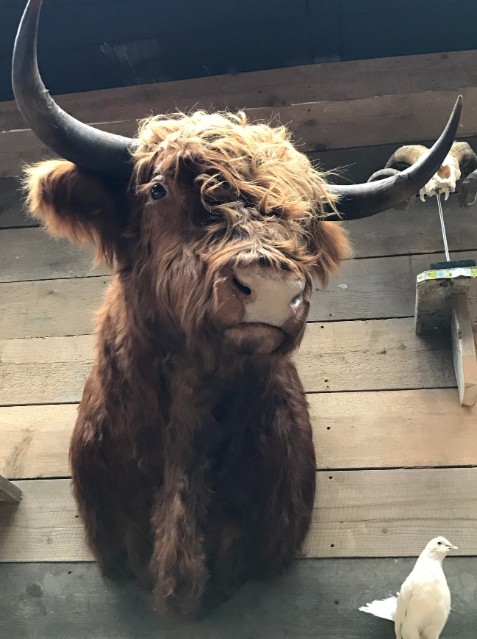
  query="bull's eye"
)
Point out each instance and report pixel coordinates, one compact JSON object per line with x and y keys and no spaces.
{"x":157,"y":191}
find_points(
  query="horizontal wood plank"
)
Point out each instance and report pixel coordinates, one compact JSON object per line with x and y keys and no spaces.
{"x":348,"y":165}
{"x":44,"y":370}
{"x":35,"y":440}
{"x":398,"y":119}
{"x":47,"y":308}
{"x":29,"y":254}
{"x":336,"y":356}
{"x":348,"y":80}
{"x":372,"y":355}
{"x":12,"y":212}
{"x":414,"y":231}
{"x":392,"y":429}
{"x":371,"y":288}
{"x":313,"y":595}
{"x":378,"y":513}
{"x":350,"y":430}
{"x":373,"y":513}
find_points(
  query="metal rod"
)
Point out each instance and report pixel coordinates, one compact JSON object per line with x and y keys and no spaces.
{"x":443,"y":228}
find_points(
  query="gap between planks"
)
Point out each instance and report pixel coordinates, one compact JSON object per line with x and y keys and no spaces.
{"x":344,"y":80}
{"x":315,"y":125}
{"x":366,"y":289}
{"x":333,"y":356}
{"x":366,"y":514}
{"x":360,"y":430}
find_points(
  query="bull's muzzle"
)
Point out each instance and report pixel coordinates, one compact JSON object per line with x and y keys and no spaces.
{"x":269,"y":296}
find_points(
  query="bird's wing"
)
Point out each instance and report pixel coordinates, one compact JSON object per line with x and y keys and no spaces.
{"x":384,"y":608}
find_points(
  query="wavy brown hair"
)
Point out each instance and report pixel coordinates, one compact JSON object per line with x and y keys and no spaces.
{"x":245,"y":174}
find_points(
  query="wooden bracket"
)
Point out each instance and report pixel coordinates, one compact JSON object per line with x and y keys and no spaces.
{"x":446,"y":303}
{"x":463,"y":350}
{"x":9,"y":493}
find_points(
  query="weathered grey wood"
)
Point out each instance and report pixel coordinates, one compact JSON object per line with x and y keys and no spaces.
{"x":414,"y":231}
{"x":9,"y":493}
{"x":353,"y":164}
{"x":29,"y":254}
{"x":366,"y":513}
{"x":397,"y":119}
{"x":274,"y":87}
{"x":371,"y":288}
{"x":315,"y":598}
{"x":356,"y":164}
{"x":350,"y":430}
{"x":46,"y":308}
{"x":334,"y":356}
{"x":11,"y":205}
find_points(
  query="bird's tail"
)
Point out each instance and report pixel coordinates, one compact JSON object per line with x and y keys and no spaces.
{"x":384,"y":608}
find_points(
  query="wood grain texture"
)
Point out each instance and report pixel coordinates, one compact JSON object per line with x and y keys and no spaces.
{"x":372,"y":355}
{"x":269,"y":88}
{"x":336,"y":356}
{"x":414,"y":231}
{"x":29,"y":254}
{"x":371,"y":513}
{"x":378,"y":513}
{"x":365,"y":289}
{"x":350,"y":430}
{"x":392,"y":429}
{"x":48,"y":308}
{"x":44,"y":370}
{"x":348,"y":165}
{"x":35,"y":440}
{"x":314,"y":598}
{"x":11,"y":205}
{"x":397,"y":119}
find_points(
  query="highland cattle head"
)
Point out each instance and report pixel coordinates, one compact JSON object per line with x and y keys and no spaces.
{"x":215,"y":225}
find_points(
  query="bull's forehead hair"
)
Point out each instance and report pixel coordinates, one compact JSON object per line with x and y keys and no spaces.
{"x":233,"y":159}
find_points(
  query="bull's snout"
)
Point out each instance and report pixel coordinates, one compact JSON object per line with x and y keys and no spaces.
{"x":269,"y":296}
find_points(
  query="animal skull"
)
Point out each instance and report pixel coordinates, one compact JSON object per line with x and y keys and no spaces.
{"x":444,"y":180}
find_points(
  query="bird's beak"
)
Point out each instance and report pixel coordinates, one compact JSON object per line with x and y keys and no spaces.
{"x":451,"y":547}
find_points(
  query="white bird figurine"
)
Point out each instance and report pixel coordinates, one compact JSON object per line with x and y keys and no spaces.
{"x":421,"y":608}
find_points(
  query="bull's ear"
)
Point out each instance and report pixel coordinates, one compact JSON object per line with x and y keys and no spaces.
{"x":332,"y":246}
{"x":77,"y":204}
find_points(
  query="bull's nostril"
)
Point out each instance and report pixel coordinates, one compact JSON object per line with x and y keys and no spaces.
{"x":241,"y":287}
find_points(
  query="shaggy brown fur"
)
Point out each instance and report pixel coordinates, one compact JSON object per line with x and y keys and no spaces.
{"x":192,"y":455}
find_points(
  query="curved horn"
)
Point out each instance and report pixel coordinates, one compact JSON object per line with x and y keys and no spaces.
{"x":382,"y":174}
{"x":468,"y":191}
{"x":362,"y":200}
{"x":80,"y":143}
{"x":405,"y":156}
{"x":385,"y":173}
{"x":466,"y":157}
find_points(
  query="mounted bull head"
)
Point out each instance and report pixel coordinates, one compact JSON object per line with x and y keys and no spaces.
{"x":192,"y":456}
{"x":111,"y":154}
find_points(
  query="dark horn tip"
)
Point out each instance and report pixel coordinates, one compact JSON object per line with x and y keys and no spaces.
{"x":356,"y":201}
{"x":82,"y":144}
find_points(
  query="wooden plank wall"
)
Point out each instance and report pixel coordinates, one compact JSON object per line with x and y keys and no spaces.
{"x":397,"y":455}
{"x":315,"y":599}
{"x":87,"y":45}
{"x":327,"y":107}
